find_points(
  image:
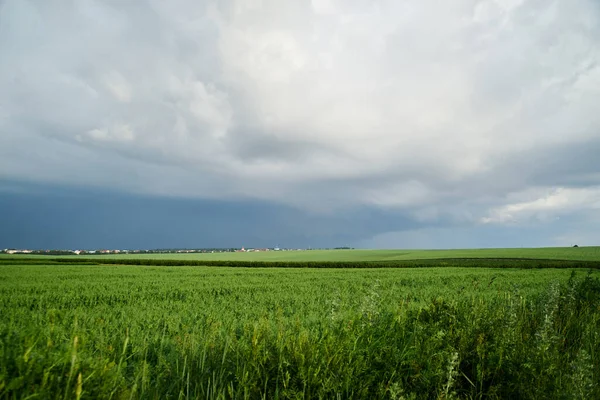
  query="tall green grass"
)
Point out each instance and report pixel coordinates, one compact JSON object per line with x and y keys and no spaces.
{"x":194,"y":332}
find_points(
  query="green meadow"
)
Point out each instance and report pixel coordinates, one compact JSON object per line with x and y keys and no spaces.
{"x":555,"y":253}
{"x":155,"y":332}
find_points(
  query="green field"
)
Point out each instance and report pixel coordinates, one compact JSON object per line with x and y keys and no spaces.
{"x":122,"y":332}
{"x":556,"y":253}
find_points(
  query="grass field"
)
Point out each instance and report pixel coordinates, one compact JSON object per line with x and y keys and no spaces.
{"x":557,"y":253}
{"x":77,"y":331}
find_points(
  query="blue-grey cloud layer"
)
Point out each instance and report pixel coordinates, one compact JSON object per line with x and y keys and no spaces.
{"x":47,"y":216}
{"x":472,"y":115}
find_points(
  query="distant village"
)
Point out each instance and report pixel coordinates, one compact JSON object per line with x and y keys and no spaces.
{"x":155,"y":251}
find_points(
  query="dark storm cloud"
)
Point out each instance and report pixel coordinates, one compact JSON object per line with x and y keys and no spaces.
{"x":48,"y":216}
{"x":571,"y":164}
{"x":463,"y":113}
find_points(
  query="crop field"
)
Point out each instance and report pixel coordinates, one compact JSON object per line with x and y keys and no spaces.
{"x":156,"y":332}
{"x":554,"y":253}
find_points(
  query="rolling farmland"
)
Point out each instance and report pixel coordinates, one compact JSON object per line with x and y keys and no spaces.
{"x":555,"y":253}
{"x":120,"y":331}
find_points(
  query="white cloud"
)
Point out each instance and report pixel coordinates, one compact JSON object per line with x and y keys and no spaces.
{"x":419,"y":106}
{"x":324,"y":6}
{"x":559,"y":201}
{"x":117,"y":133}
{"x":119,"y":87}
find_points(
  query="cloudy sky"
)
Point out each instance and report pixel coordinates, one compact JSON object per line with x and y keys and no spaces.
{"x":368,"y":123}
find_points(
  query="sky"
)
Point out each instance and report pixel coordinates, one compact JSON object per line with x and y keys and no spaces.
{"x":363,"y":123}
